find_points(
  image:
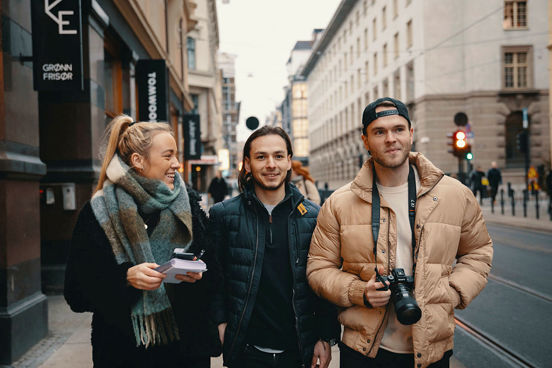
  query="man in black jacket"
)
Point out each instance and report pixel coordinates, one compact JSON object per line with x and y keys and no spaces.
{"x":266,"y":311}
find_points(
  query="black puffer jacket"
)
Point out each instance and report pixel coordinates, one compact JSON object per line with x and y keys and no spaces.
{"x":239,"y":238}
{"x":95,"y":283}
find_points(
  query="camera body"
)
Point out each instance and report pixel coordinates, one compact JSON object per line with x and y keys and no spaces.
{"x":407,"y":309}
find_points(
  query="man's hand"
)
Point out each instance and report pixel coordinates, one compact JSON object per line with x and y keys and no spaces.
{"x":221,"y":330}
{"x":322,"y":354}
{"x":373,"y":296}
{"x":190,"y":277}
{"x":144,"y":276}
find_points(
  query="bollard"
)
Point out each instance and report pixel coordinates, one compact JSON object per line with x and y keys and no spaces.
{"x":502,"y":201}
{"x":537,"y":203}
{"x":512,"y":192}
{"x":525,"y":199}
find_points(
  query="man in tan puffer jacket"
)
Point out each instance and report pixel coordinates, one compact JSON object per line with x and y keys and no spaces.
{"x":449,"y":257}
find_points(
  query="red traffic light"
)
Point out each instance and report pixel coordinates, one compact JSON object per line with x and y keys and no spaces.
{"x":460,"y":144}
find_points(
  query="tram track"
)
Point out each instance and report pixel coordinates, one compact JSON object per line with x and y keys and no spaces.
{"x":492,"y":344}
{"x":521,"y":288}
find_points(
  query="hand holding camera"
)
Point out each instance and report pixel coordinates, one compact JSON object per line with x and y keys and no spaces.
{"x":376,"y":293}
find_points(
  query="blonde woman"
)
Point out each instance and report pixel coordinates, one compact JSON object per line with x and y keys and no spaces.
{"x":304,"y":182}
{"x":140,"y":212}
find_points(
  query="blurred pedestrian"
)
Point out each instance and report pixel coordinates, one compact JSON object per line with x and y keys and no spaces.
{"x":495,"y":179}
{"x":218,"y":189}
{"x":268,"y":316}
{"x":302,"y":179}
{"x":477,"y":178}
{"x":140,"y":212}
{"x":403,"y":217}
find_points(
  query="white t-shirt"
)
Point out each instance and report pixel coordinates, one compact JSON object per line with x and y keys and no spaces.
{"x":397,"y":337}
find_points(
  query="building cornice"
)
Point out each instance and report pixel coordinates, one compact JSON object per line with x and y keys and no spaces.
{"x":337,"y":20}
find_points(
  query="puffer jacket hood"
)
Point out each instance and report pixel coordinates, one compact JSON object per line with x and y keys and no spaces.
{"x":449,"y":228}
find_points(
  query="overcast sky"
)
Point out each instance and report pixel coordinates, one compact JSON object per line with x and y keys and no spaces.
{"x":262,"y":33}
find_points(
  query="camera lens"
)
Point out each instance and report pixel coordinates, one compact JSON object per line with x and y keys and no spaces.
{"x":406,"y":307}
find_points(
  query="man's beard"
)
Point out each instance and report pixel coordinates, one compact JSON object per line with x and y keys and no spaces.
{"x":264,"y":187}
{"x":384,"y":163}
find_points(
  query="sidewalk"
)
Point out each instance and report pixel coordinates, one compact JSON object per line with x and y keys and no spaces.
{"x":68,"y":342}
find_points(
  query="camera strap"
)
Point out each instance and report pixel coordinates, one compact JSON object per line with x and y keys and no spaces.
{"x":376,"y":210}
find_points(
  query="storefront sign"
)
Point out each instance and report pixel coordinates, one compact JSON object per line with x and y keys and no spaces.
{"x":153,"y":90}
{"x":57,"y":45}
{"x":192,"y":137}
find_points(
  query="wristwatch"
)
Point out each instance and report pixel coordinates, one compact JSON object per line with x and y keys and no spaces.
{"x":332,"y":341}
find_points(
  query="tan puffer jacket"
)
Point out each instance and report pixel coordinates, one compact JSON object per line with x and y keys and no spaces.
{"x":449,"y":228}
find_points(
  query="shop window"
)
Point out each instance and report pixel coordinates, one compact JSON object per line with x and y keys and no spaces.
{"x":116,"y":81}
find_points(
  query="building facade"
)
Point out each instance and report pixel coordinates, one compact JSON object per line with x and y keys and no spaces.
{"x":50,"y":141}
{"x":230,"y":109}
{"x":488,"y":60}
{"x":205,"y":83}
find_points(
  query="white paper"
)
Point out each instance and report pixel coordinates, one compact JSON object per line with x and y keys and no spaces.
{"x":178,"y":266}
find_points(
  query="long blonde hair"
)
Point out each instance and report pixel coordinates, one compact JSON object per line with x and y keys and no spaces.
{"x":126,"y":139}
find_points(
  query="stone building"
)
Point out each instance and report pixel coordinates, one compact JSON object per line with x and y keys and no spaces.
{"x":204,"y":78}
{"x":50,"y":138}
{"x":230,"y":109}
{"x":486,"y":59}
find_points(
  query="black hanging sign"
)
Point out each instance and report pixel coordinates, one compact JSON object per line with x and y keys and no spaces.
{"x":152,"y":81}
{"x":57,"y":45}
{"x":192,"y":137}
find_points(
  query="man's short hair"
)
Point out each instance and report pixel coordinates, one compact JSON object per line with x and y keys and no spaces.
{"x":369,"y":114}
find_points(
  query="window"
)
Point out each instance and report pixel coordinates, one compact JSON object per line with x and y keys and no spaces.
{"x":358,"y":47}
{"x":410,"y":82}
{"x":515,"y":14}
{"x":395,"y":9}
{"x":409,"y":34}
{"x":384,"y":18}
{"x":396,"y":42}
{"x":366,"y":71}
{"x":190,"y":46}
{"x":397,"y":85}
{"x":365,"y":39}
{"x":375,"y":30}
{"x":516,"y":67}
{"x":364,"y":7}
{"x":385,"y":55}
{"x":385,"y":88}
{"x":375,"y":63}
{"x":195,"y":101}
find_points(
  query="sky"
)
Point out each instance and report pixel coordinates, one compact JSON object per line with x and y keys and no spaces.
{"x":262,"y":33}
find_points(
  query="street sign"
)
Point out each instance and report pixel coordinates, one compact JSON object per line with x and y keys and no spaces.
{"x":57,"y":45}
{"x":525,"y":118}
{"x":152,"y":82}
{"x":192,"y":136}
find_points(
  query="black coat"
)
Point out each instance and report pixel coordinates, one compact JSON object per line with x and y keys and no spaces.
{"x":95,"y":283}
{"x":239,"y":239}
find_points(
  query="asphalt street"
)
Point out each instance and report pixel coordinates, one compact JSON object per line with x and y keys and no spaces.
{"x":511,"y":318}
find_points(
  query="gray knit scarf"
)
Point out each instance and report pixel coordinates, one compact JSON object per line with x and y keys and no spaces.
{"x":116,"y":209}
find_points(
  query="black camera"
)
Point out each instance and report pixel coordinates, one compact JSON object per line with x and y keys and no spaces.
{"x":407,"y":309}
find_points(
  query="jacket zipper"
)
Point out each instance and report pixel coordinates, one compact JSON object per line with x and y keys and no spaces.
{"x":250,"y":283}
{"x":293,"y":289}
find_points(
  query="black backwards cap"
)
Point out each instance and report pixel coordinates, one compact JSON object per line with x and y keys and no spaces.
{"x":369,"y":114}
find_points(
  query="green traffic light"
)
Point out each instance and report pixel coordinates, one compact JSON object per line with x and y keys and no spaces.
{"x":469,"y":156}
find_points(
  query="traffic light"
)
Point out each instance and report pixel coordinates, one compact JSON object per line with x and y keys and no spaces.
{"x":522,"y":141}
{"x":460,"y":145}
{"x":469,"y":156}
